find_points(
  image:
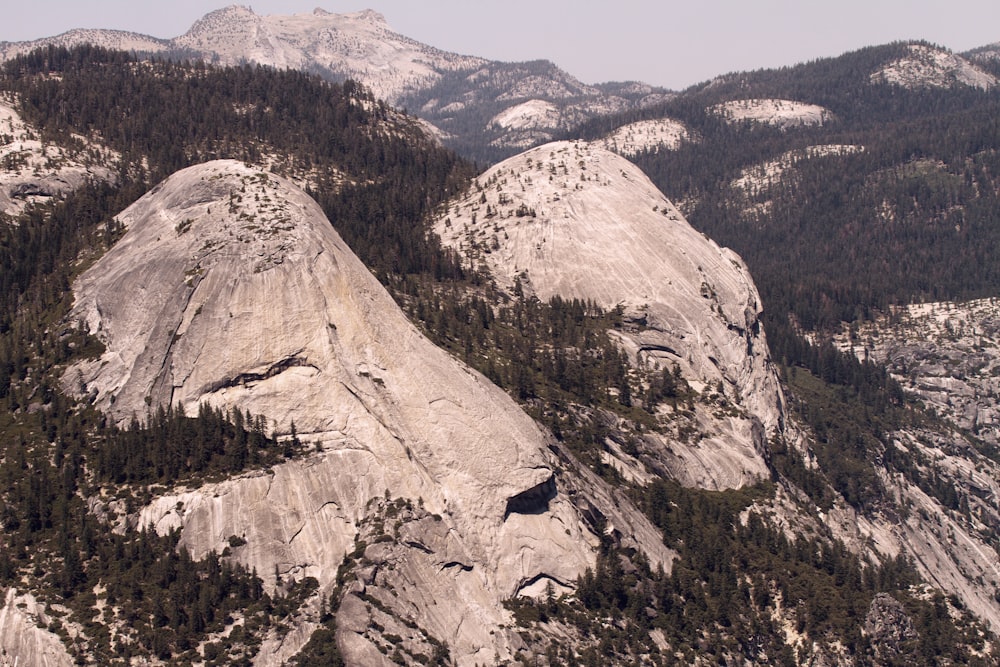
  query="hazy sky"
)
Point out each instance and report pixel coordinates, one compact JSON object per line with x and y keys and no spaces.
{"x":666,"y":42}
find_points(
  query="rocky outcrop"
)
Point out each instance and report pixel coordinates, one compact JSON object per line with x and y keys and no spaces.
{"x":924,"y":66}
{"x":33,"y":171}
{"x":577,"y":221}
{"x":648,"y":135}
{"x":891,"y":632}
{"x":784,"y":114}
{"x":943,"y":353}
{"x":24,"y":639}
{"x":231,"y":288}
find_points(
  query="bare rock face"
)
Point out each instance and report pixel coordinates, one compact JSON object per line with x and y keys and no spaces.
{"x":577,"y":221}
{"x":779,"y":113}
{"x":230,"y":287}
{"x":944,"y":355}
{"x":23,"y":637}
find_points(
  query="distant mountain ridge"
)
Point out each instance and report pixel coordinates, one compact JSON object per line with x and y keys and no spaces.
{"x":487,"y":110}
{"x":359,"y":45}
{"x":111,"y":39}
{"x":462,"y":96}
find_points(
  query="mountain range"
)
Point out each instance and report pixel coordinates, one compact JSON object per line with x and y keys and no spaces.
{"x":284,"y":381}
{"x":487,"y":108}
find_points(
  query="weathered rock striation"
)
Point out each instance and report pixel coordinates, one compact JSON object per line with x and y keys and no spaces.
{"x":577,"y":221}
{"x":24,"y":639}
{"x":231,"y":288}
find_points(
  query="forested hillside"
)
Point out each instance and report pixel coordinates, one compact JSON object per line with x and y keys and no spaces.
{"x":370,"y":163}
{"x":907,"y":214}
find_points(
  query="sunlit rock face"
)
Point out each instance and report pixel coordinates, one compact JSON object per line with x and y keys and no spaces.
{"x":231,"y":288}
{"x":577,"y":221}
{"x":24,"y":639}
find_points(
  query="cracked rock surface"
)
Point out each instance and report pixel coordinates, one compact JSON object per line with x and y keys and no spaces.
{"x":574,"y":220}
{"x":230,"y":287}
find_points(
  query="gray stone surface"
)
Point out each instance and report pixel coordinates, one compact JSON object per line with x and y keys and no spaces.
{"x":577,"y":221}
{"x":230,"y":287}
{"x":24,"y":639}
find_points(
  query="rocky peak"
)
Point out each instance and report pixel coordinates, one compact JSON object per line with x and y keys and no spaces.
{"x":577,"y":221}
{"x":928,"y":67}
{"x":371,"y":16}
{"x":231,"y":288}
{"x":228,"y":13}
{"x":229,"y":21}
{"x":359,"y":45}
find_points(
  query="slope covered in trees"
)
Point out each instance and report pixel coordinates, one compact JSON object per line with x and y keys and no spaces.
{"x":363,"y":160}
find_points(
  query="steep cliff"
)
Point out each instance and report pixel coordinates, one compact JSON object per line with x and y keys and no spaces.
{"x":24,"y":639}
{"x":231,"y":288}
{"x":577,"y":221}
